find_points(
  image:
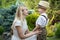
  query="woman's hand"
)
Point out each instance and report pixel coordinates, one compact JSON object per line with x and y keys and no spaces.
{"x":36,"y":28}
{"x":38,"y":31}
{"x":27,"y":31}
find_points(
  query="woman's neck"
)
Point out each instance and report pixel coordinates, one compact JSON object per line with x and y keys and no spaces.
{"x":23,"y":17}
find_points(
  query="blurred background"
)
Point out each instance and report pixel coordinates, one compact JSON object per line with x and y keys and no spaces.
{"x":8,"y":9}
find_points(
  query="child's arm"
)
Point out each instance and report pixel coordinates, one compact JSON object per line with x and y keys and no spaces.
{"x":36,"y":28}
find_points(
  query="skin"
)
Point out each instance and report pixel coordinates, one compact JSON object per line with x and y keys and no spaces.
{"x":22,"y":36}
{"x":19,"y":29}
{"x":40,"y":10}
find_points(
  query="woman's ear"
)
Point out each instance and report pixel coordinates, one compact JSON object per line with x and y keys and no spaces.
{"x":22,"y":11}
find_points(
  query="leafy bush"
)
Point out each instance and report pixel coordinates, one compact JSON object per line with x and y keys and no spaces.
{"x":1,"y":30}
{"x":50,"y":32}
{"x":7,"y":17}
{"x":57,"y":18}
{"x":31,"y":19}
{"x":57,"y":33}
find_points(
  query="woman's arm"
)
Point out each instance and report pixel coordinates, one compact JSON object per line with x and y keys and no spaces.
{"x":22,"y":36}
{"x":27,"y":31}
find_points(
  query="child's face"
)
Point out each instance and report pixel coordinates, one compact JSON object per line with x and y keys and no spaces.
{"x":41,"y":10}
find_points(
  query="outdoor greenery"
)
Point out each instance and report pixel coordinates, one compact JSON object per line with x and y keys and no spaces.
{"x":7,"y":17}
{"x":31,"y":19}
{"x":8,"y":10}
{"x":57,"y":30}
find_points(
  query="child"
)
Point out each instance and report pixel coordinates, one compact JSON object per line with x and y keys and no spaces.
{"x":42,"y":20}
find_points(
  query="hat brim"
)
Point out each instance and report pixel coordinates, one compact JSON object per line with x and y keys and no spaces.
{"x":39,"y":6}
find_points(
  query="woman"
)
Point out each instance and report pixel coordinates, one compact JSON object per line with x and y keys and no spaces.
{"x":19,"y":26}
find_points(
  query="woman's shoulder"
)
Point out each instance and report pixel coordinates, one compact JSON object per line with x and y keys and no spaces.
{"x":17,"y":23}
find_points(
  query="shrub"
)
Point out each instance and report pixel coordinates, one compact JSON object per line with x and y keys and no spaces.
{"x":50,"y":32}
{"x":31,"y":19}
{"x":57,"y":33}
{"x":1,"y":30}
{"x":7,"y":17}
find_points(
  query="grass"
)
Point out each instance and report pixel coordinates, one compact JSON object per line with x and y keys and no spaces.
{"x":52,"y":38}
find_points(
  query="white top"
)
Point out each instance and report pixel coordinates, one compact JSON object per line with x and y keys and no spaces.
{"x":24,"y":28}
{"x":42,"y":20}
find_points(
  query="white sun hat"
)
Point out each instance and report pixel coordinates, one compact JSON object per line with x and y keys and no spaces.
{"x":44,"y":4}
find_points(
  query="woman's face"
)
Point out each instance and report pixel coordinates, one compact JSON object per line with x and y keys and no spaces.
{"x":25,"y":11}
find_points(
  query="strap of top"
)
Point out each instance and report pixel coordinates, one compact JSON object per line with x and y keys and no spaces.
{"x":45,"y":18}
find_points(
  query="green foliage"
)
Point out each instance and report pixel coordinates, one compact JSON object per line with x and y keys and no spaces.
{"x":57,"y":33}
{"x":31,"y":19}
{"x":6,"y":3}
{"x":52,"y":38}
{"x":7,"y":17}
{"x":53,"y":16}
{"x":31,"y":4}
{"x":1,"y":30}
{"x":50,"y":32}
{"x":54,"y":4}
{"x":57,"y":18}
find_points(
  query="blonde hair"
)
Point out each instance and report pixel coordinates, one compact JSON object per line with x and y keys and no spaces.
{"x":18,"y":15}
